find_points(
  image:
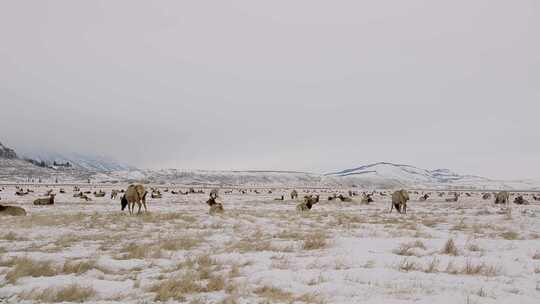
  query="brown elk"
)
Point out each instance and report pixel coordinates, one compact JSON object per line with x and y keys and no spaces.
{"x":45,"y":201}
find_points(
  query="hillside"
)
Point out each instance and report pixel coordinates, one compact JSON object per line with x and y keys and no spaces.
{"x":84,"y":162}
{"x":389,"y":175}
{"x":74,"y":167}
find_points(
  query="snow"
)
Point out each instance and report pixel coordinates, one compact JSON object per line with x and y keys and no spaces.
{"x":264,"y":239}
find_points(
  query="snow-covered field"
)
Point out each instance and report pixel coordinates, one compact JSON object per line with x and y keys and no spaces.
{"x":264,"y":251}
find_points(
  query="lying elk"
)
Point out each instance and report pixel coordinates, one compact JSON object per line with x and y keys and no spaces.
{"x":282,"y":198}
{"x":12,"y":210}
{"x":520,"y":200}
{"x":155,"y":194}
{"x":99,"y":194}
{"x":366,"y":198}
{"x":424,"y":197}
{"x":134,"y":194}
{"x":453,"y":199}
{"x":308,"y":203}
{"x":45,"y":201}
{"x":344,"y":199}
{"x":486,"y":196}
{"x":21,"y":192}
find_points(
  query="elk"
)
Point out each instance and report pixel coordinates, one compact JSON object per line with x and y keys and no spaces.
{"x":134,"y":194}
{"x":399,"y":201}
{"x":308,"y":203}
{"x":424,"y":197}
{"x":215,"y":207}
{"x":12,"y":210}
{"x":45,"y":201}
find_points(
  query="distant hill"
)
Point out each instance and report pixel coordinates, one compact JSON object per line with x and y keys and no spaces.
{"x":91,"y":163}
{"x":389,"y":175}
{"x":6,"y":152}
{"x":72,"y":167}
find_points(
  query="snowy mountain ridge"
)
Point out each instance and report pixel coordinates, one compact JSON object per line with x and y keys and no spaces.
{"x":91,"y":163}
{"x":385,"y":174}
{"x":381,"y":175}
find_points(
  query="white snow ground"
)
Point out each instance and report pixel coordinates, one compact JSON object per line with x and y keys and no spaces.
{"x":263,"y":251}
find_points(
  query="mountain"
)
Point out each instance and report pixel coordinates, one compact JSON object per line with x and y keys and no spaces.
{"x":6,"y":152}
{"x":15,"y":169}
{"x":226,"y":178}
{"x":72,"y":167}
{"x":389,"y":175}
{"x":90,"y":163}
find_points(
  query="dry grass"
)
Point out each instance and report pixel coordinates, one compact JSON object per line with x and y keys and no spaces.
{"x":406,"y":249}
{"x":433,"y":266}
{"x":474,"y":247}
{"x":176,"y":288}
{"x":139,"y":251}
{"x":481,"y":293}
{"x":536,"y":256}
{"x":215,"y":283}
{"x":183,"y":243}
{"x":479,"y":269}
{"x":449,"y":248}
{"x":250,"y":244}
{"x":78,"y":267}
{"x":510,"y":235}
{"x":407,"y":265}
{"x":461,"y":226}
{"x":67,"y":240}
{"x":25,"y":267}
{"x":12,"y":236}
{"x":274,"y":294}
{"x":70,"y":293}
{"x":314,"y":241}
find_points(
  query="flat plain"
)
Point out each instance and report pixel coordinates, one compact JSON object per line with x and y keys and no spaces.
{"x":261,"y":250}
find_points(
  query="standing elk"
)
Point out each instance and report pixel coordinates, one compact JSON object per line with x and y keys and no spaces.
{"x":215,"y":207}
{"x":399,"y":201}
{"x":134,"y":194}
{"x":502,"y":197}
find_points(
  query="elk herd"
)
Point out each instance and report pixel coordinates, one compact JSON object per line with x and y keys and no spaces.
{"x":136,"y":194}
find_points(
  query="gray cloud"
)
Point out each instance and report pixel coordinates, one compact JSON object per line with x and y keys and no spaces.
{"x":299,"y":85}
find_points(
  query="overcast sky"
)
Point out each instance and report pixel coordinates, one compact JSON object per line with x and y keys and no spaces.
{"x":297,"y":85}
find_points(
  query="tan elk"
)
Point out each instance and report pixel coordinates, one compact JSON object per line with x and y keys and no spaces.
{"x":399,"y":201}
{"x":134,"y":194}
{"x":308,"y":203}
